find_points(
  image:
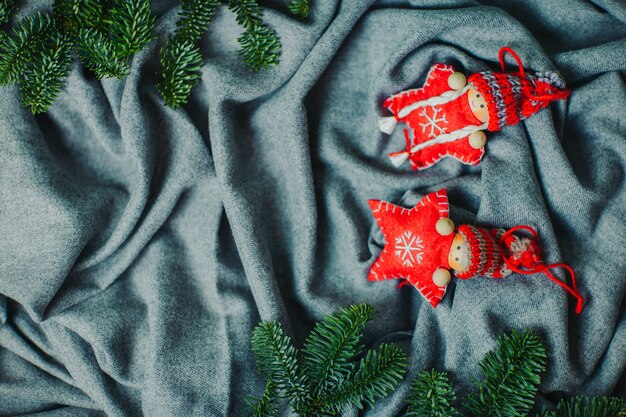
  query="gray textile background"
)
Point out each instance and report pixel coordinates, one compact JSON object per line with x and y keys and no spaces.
{"x":139,"y":245}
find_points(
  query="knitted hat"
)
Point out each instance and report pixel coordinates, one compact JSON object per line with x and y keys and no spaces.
{"x":485,"y":256}
{"x":514,"y":97}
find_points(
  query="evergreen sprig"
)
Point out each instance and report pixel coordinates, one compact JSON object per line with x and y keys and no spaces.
{"x":267,"y":405}
{"x":322,"y":380}
{"x":588,"y":407}
{"x":43,"y":79}
{"x":278,"y":359}
{"x":132,"y":25}
{"x":431,"y":395}
{"x":299,"y":8}
{"x":331,"y":344}
{"x":76,"y":14}
{"x":39,"y":50}
{"x":99,"y":54}
{"x":17,"y":49}
{"x":6,"y":8}
{"x":378,"y":374}
{"x":180,"y":55}
{"x":511,"y":376}
{"x":194,"y":18}
{"x":260,"y":47}
{"x":180,"y":70}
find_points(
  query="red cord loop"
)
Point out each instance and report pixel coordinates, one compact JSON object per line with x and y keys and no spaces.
{"x":520,"y":66}
{"x":541,"y":268}
{"x":559,"y":95}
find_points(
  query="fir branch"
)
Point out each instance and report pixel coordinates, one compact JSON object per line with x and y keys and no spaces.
{"x":378,"y":374}
{"x":180,"y":66}
{"x":248,"y":12}
{"x":99,"y":55}
{"x":299,"y":8}
{"x":17,"y":49}
{"x":431,"y":395}
{"x":131,"y":24}
{"x":511,"y":376}
{"x":588,"y":407}
{"x":331,"y":344}
{"x":6,"y":8}
{"x":76,"y":14}
{"x":43,"y":79}
{"x":278,"y":359}
{"x":260,"y":47}
{"x":265,"y":406}
{"x":194,"y":18}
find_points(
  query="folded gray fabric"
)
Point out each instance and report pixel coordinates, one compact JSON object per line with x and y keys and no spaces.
{"x":140,"y":245}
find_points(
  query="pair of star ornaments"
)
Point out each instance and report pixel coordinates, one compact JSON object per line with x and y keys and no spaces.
{"x":447,"y":117}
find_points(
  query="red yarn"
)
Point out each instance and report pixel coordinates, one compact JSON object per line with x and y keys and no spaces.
{"x":512,"y":97}
{"x":533,"y":265}
{"x":520,"y":66}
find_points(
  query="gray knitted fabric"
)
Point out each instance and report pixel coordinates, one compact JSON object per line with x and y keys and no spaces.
{"x":140,"y":245}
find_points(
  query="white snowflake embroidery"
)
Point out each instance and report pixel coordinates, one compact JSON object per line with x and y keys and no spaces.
{"x":433,"y":121}
{"x":409,"y":248}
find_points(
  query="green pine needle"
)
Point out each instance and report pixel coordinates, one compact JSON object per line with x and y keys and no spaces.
{"x":43,"y":79}
{"x":265,"y":406}
{"x":131,"y":23}
{"x":278,"y":359}
{"x":511,"y":376}
{"x":194,"y":18}
{"x":99,"y":54}
{"x":248,"y":12}
{"x":431,"y":395}
{"x":260,"y":47}
{"x":6,"y":8}
{"x":17,"y":49}
{"x":299,"y":8}
{"x":379,"y":372}
{"x":76,"y":14}
{"x":332,"y":343}
{"x":180,"y":66}
{"x":588,"y":407}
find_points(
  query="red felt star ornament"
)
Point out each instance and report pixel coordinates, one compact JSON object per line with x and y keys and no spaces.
{"x":417,"y":242}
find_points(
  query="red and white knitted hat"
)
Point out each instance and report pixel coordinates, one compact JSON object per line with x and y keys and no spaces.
{"x":512,"y":97}
{"x":485,"y":256}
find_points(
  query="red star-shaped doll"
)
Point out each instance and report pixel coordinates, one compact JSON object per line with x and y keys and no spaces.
{"x":417,"y":243}
{"x":447,"y":116}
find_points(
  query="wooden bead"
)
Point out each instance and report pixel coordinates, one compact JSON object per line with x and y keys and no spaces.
{"x":477,"y":139}
{"x":441,"y":277}
{"x":457,"y":80}
{"x":444,"y":226}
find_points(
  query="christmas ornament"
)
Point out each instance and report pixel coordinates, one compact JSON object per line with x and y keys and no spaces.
{"x":421,"y":246}
{"x":447,"y":116}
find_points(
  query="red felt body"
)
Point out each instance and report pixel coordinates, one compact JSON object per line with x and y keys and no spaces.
{"x":431,"y":121}
{"x":413,"y":248}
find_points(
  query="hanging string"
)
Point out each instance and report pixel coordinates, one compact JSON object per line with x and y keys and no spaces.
{"x":542,"y":268}
{"x":561,"y":94}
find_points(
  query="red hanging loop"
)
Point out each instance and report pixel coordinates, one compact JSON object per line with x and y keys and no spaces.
{"x":520,"y":66}
{"x":559,"y":95}
{"x":541,"y":268}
